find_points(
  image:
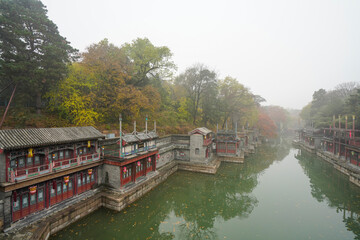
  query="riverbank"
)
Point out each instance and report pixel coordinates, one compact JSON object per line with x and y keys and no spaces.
{"x":339,"y":164}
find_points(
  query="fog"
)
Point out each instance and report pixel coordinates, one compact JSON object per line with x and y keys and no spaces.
{"x":282,"y":50}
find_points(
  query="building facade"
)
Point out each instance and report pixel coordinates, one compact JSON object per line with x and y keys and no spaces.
{"x":43,"y":167}
{"x":201,"y":140}
{"x":129,"y":159}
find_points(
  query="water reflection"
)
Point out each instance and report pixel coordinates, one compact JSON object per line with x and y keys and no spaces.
{"x":330,"y":186}
{"x":186,"y":206}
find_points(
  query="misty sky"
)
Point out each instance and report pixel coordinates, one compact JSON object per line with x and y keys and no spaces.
{"x":283,"y":50}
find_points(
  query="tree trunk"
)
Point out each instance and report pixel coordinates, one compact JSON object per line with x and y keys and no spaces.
{"x":38,"y":103}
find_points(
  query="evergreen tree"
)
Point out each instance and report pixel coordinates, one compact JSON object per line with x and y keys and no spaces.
{"x":32,"y":52}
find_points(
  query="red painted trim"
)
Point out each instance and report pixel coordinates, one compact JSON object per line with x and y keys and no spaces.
{"x":116,"y":163}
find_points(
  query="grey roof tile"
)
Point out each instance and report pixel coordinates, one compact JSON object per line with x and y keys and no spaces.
{"x":33,"y":137}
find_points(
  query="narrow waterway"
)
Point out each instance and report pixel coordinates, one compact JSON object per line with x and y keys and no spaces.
{"x":279,"y":193}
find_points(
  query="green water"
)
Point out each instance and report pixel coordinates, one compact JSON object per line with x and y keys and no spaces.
{"x":279,"y":193}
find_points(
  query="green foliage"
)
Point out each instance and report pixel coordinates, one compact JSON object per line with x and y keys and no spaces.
{"x":73,"y":99}
{"x":32,"y":52}
{"x":327,"y":105}
{"x":198,"y":81}
{"x":148,"y":61}
{"x":237,"y":103}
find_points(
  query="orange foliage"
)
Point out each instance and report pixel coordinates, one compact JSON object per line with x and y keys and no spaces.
{"x":266,"y":125}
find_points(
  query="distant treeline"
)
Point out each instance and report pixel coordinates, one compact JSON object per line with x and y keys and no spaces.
{"x":328,"y":107}
{"x":58,"y":86}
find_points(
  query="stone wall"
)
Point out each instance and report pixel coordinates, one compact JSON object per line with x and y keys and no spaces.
{"x":174,"y":147}
{"x":182,"y":154}
{"x":56,"y":222}
{"x":116,"y":201}
{"x":197,"y":150}
{"x":1,"y":214}
{"x":111,"y":176}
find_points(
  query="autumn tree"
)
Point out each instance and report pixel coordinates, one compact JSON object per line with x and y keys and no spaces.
{"x":196,"y":80}
{"x":279,"y":116}
{"x":266,"y":125}
{"x":74,"y":97}
{"x":97,"y":90}
{"x":236,"y":102}
{"x":148,"y":62}
{"x":32,"y":52}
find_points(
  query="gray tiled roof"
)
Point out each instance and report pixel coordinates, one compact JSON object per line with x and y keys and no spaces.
{"x":201,"y":130}
{"x":152,"y":135}
{"x":33,"y":137}
{"x":142,"y":136}
{"x":129,"y":138}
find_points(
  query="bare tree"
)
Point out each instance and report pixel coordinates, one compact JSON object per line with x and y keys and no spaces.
{"x":344,"y":90}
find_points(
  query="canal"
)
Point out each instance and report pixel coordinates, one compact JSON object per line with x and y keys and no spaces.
{"x":279,"y":193}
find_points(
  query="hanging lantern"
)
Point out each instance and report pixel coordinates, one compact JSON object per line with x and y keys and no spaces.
{"x":15,"y":196}
{"x":350,"y":134}
{"x":158,"y":156}
{"x":32,"y":189}
{"x":89,"y":144}
{"x":89,"y":171}
{"x":66,"y":179}
{"x":30,"y":153}
{"x":53,"y":155}
{"x":54,"y":184}
{"x":124,"y":169}
{"x":138,"y":163}
{"x":149,"y":159}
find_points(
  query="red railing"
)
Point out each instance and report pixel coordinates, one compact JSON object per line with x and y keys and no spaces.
{"x":22,"y":174}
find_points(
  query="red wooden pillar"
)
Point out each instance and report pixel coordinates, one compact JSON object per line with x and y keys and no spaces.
{"x":154,"y":162}
{"x":75,"y":183}
{"x":143,"y":163}
{"x":133,"y":173}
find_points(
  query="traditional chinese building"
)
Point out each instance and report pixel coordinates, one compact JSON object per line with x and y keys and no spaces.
{"x":342,"y":142}
{"x":201,"y":140}
{"x":310,"y":138}
{"x":227,"y":143}
{"x":129,"y":158}
{"x":42,"y":167}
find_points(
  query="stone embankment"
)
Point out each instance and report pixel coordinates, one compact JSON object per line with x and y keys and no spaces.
{"x":340,"y":164}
